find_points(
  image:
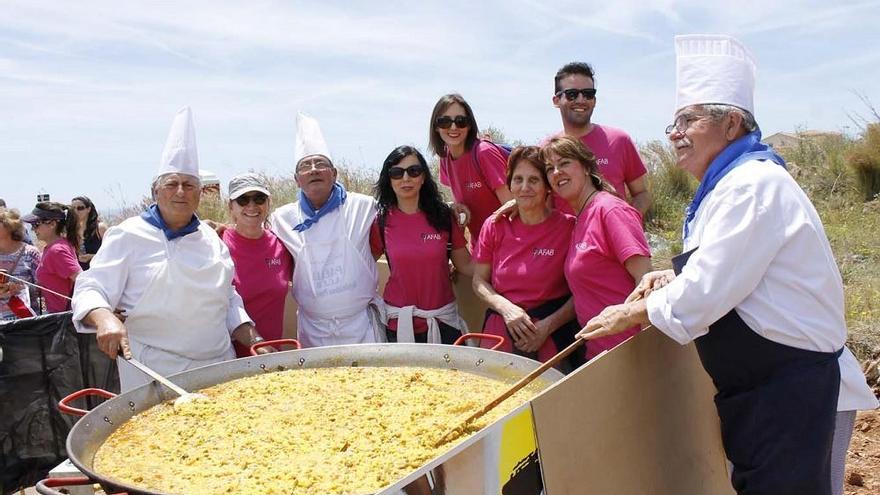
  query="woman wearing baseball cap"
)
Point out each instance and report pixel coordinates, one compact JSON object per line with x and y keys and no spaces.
{"x":57,"y":226}
{"x":263,"y":266}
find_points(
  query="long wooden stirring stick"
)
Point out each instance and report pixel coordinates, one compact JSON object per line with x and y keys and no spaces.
{"x":458,"y":430}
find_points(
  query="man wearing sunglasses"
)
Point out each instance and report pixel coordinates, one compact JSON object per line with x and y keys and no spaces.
{"x":756,"y":289}
{"x":327,"y":231}
{"x":618,"y":158}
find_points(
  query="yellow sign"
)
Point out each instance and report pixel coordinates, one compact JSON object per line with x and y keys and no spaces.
{"x":519,"y":472}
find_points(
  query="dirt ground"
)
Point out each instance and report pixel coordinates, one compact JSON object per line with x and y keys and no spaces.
{"x":863,"y":458}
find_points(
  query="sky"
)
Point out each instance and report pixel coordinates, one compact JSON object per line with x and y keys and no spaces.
{"x":88,"y":89}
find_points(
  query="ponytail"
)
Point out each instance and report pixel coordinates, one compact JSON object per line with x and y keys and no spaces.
{"x":71,"y":227}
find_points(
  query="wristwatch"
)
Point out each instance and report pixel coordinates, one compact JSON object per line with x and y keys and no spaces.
{"x":257,"y":340}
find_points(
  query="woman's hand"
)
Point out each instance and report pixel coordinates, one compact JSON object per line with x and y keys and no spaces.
{"x":650,"y":282}
{"x":518,"y":323}
{"x":542,"y":331}
{"x":10,"y":289}
{"x":509,"y":209}
{"x":85,"y":258}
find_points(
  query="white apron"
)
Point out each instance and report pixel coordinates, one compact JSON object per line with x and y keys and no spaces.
{"x":334,"y":287}
{"x":180,"y":322}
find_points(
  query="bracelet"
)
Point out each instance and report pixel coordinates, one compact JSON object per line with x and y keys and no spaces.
{"x":257,"y":340}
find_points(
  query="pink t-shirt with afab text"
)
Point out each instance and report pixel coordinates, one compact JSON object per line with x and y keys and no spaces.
{"x":263,"y":270}
{"x":473,"y":183}
{"x":607,"y":233}
{"x":58,"y":264}
{"x":527,"y":265}
{"x":419,"y":262}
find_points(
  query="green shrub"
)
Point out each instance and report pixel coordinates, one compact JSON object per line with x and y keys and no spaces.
{"x":864,"y":160}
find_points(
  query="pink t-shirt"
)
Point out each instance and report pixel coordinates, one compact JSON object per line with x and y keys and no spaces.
{"x":607,"y":233}
{"x":263,"y":269}
{"x":527,"y":265}
{"x":58,"y":264}
{"x":474,"y":184}
{"x":616,"y":154}
{"x":419,"y":265}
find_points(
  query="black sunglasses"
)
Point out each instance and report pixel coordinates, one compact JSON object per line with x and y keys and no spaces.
{"x":445,"y":122}
{"x":245,"y":199}
{"x":412,"y":171}
{"x":572,"y":94}
{"x":81,"y":207}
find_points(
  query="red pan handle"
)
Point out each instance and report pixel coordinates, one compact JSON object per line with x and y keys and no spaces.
{"x":499,"y":340}
{"x":274,"y":343}
{"x":44,"y":487}
{"x":65,"y":407}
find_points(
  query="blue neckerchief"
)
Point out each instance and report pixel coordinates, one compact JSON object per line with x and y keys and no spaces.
{"x":337,"y":198}
{"x":748,"y":147}
{"x":152,"y":217}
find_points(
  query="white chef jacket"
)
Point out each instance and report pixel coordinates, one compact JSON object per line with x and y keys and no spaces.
{"x":335,"y":275}
{"x":762,"y":250}
{"x":132,"y":263}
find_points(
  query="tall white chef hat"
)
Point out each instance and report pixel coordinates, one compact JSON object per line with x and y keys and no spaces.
{"x":309,"y":139}
{"x":180,"y":155}
{"x":714,"y":68}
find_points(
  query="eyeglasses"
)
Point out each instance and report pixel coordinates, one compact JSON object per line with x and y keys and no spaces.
{"x":445,"y":122}
{"x":320,"y":166}
{"x":682,"y":123}
{"x":81,"y":207}
{"x":412,"y":171}
{"x":572,"y":94}
{"x":245,"y":199}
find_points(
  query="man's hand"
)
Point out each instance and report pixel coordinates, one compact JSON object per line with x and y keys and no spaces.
{"x":461,"y":213}
{"x":218,"y":227}
{"x":650,"y":282}
{"x":112,"y":335}
{"x":615,"y":319}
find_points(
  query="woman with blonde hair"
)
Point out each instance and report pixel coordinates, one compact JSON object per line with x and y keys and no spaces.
{"x":21,"y":261}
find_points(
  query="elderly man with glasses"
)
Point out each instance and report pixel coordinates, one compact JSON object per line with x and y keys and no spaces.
{"x":168,"y":274}
{"x":327,"y":232}
{"x":618,"y":159}
{"x":757,"y":289}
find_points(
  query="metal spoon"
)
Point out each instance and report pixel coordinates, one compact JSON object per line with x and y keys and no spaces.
{"x":184,"y":395}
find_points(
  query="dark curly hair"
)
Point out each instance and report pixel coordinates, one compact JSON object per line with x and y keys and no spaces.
{"x":92,"y":220}
{"x":430,"y":200}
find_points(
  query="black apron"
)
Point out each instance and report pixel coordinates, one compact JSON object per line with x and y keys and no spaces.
{"x":777,"y":406}
{"x":562,"y":337}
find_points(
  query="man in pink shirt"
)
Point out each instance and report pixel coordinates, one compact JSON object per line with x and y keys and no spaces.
{"x":617,"y":156}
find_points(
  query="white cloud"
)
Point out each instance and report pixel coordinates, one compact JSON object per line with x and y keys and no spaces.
{"x":89,"y":88}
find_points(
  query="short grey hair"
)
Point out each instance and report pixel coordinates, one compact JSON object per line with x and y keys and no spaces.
{"x":719,"y":110}
{"x":158,"y":182}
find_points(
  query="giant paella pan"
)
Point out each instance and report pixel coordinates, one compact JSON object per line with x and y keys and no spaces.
{"x":472,"y":375}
